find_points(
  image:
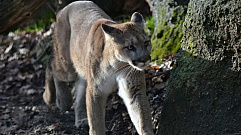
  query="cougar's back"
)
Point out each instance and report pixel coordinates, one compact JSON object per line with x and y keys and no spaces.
{"x":72,"y":32}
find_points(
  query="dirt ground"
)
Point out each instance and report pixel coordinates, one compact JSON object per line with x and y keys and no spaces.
{"x":22,"y":72}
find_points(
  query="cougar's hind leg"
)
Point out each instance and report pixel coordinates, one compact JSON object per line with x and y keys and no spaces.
{"x":81,"y":120}
{"x":63,"y":95}
{"x":49,"y":94}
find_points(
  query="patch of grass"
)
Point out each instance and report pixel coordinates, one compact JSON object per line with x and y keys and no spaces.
{"x":40,"y":24}
{"x":125,"y":19}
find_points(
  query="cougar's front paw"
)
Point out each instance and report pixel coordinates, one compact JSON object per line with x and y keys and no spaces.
{"x":64,"y":103}
{"x":83,"y":123}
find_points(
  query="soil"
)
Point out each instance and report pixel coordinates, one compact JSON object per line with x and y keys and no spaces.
{"x":22,"y":109}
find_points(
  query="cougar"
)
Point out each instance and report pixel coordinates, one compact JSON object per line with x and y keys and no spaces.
{"x":101,"y":57}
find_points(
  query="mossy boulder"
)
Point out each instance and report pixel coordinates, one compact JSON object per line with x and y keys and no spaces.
{"x":169,"y":16}
{"x":204,"y":91}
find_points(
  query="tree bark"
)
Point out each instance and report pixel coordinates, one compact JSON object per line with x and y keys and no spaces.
{"x":204,"y":92}
{"x":14,"y":12}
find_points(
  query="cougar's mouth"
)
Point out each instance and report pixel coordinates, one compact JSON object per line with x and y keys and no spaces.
{"x":140,"y":65}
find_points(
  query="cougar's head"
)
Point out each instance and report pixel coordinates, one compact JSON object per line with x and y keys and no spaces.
{"x":130,"y":42}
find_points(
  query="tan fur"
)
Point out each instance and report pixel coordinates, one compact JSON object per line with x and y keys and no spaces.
{"x":98,"y":55}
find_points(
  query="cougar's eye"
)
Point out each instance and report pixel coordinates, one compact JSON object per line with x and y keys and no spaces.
{"x":146,"y":43}
{"x":130,"y":47}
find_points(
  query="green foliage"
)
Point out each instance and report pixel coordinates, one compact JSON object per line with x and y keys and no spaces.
{"x":40,"y":24}
{"x":125,"y":19}
{"x":16,"y":30}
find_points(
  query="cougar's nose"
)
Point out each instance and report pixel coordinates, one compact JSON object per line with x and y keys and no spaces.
{"x":145,"y":59}
{"x":142,"y":61}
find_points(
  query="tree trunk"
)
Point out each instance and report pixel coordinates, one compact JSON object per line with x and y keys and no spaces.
{"x":14,"y":12}
{"x":204,"y":92}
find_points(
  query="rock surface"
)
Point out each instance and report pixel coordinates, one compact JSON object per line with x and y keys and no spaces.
{"x":169,"y":16}
{"x":204,"y":92}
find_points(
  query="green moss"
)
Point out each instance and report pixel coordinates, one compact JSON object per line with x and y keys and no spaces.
{"x":167,"y":39}
{"x":191,"y":50}
{"x":150,"y":25}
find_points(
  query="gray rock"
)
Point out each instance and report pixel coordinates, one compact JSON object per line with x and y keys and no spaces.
{"x":204,"y":92}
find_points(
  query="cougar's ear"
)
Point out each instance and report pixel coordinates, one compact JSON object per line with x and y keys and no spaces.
{"x":138,"y":18}
{"x":110,"y":30}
